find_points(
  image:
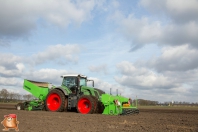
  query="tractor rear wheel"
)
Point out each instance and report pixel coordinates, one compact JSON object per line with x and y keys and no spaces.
{"x":86,"y":104}
{"x":55,"y":101}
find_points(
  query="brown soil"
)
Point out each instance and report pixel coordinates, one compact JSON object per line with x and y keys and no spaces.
{"x":151,"y":120}
{"x":7,"y":106}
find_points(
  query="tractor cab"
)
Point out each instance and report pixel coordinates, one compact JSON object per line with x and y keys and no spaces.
{"x":75,"y":81}
{"x":70,"y":80}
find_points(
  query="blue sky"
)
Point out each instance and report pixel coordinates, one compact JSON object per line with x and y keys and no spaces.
{"x":146,"y":48}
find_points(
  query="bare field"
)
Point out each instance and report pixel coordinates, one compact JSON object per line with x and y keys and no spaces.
{"x":155,"y":120}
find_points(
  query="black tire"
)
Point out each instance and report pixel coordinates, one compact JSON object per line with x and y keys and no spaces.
{"x":43,"y":109}
{"x":95,"y":99}
{"x":100,"y":107}
{"x":86,"y":104}
{"x":55,"y":101}
{"x":20,"y":106}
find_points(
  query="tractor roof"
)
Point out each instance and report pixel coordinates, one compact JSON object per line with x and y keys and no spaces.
{"x":73,"y":75}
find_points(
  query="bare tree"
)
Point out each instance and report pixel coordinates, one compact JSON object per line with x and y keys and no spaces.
{"x":4,"y":94}
{"x":18,"y":96}
{"x":11,"y":95}
{"x":28,"y":97}
{"x":1,"y":95}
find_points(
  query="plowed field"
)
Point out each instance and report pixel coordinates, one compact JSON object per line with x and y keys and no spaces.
{"x":152,"y":120}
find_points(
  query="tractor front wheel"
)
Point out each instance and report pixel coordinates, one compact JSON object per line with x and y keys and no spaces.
{"x":86,"y":104}
{"x":55,"y":101}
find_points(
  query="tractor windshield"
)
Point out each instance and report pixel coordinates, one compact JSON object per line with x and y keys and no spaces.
{"x":83,"y":81}
{"x":69,"y":81}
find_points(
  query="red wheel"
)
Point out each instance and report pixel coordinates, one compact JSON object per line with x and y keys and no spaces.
{"x":85,"y":105}
{"x":55,"y":101}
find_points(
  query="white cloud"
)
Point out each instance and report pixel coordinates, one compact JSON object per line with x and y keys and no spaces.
{"x":144,"y":31}
{"x":9,"y":81}
{"x":11,"y":65}
{"x":20,"y":67}
{"x":178,"y":58}
{"x":20,"y":18}
{"x":180,"y":11}
{"x":47,"y":75}
{"x":176,"y":34}
{"x":9,"y":60}
{"x":9,"y":72}
{"x":64,"y":12}
{"x":128,"y":68}
{"x":105,"y":86}
{"x":99,"y":68}
{"x":174,"y":74}
{"x":161,"y":30}
{"x":142,"y":78}
{"x":139,"y":31}
{"x":63,"y":53}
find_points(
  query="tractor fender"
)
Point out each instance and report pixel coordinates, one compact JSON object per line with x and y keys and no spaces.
{"x":62,"y":89}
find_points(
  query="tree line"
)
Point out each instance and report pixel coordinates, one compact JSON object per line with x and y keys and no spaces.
{"x":6,"y":96}
{"x":167,"y":103}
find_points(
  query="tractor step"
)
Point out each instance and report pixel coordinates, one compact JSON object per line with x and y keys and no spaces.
{"x":72,"y":100}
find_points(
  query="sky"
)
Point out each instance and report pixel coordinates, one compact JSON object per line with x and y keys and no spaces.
{"x":143,"y":48}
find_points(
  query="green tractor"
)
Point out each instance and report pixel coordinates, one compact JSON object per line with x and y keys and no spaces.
{"x":75,"y":94}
